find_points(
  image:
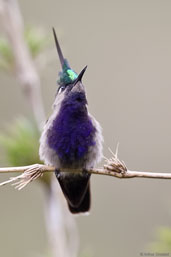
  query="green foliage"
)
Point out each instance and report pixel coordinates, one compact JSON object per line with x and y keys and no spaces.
{"x":6,"y":56}
{"x":163,"y":242}
{"x":36,"y":41}
{"x":20,"y":143}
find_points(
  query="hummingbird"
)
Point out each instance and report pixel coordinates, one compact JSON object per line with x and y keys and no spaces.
{"x":71,"y":139}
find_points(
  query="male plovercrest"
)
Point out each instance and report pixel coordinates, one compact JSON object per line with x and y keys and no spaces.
{"x":71,"y":139}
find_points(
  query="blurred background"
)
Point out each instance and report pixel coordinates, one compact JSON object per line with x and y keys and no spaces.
{"x":127,"y":47}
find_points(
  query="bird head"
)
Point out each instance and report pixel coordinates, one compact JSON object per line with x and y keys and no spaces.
{"x":70,"y":89}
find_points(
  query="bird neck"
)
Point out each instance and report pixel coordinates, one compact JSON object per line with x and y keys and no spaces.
{"x":71,"y":112}
{"x":74,"y":107}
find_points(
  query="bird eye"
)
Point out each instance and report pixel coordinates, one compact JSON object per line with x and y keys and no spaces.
{"x":61,"y":89}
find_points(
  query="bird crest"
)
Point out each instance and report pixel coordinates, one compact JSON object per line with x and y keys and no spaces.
{"x":67,"y":75}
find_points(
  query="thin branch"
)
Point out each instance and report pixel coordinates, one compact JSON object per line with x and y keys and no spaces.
{"x":113,"y":167}
{"x":44,"y":168}
{"x":12,"y":22}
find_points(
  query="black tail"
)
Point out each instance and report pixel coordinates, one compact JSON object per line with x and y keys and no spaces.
{"x":85,"y":204}
{"x":76,"y":189}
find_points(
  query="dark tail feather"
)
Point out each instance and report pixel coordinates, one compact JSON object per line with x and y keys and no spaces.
{"x":76,"y":189}
{"x":85,"y":204}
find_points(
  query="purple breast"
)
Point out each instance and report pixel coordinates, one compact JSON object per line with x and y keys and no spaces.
{"x":71,"y":135}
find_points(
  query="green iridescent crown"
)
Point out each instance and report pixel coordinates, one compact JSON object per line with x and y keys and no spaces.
{"x":67,"y":75}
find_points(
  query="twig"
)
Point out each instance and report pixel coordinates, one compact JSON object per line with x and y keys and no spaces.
{"x":113,"y":167}
{"x":66,"y":224}
{"x":24,"y":66}
{"x":25,"y":168}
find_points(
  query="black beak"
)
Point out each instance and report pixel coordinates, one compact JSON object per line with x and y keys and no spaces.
{"x":79,"y":78}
